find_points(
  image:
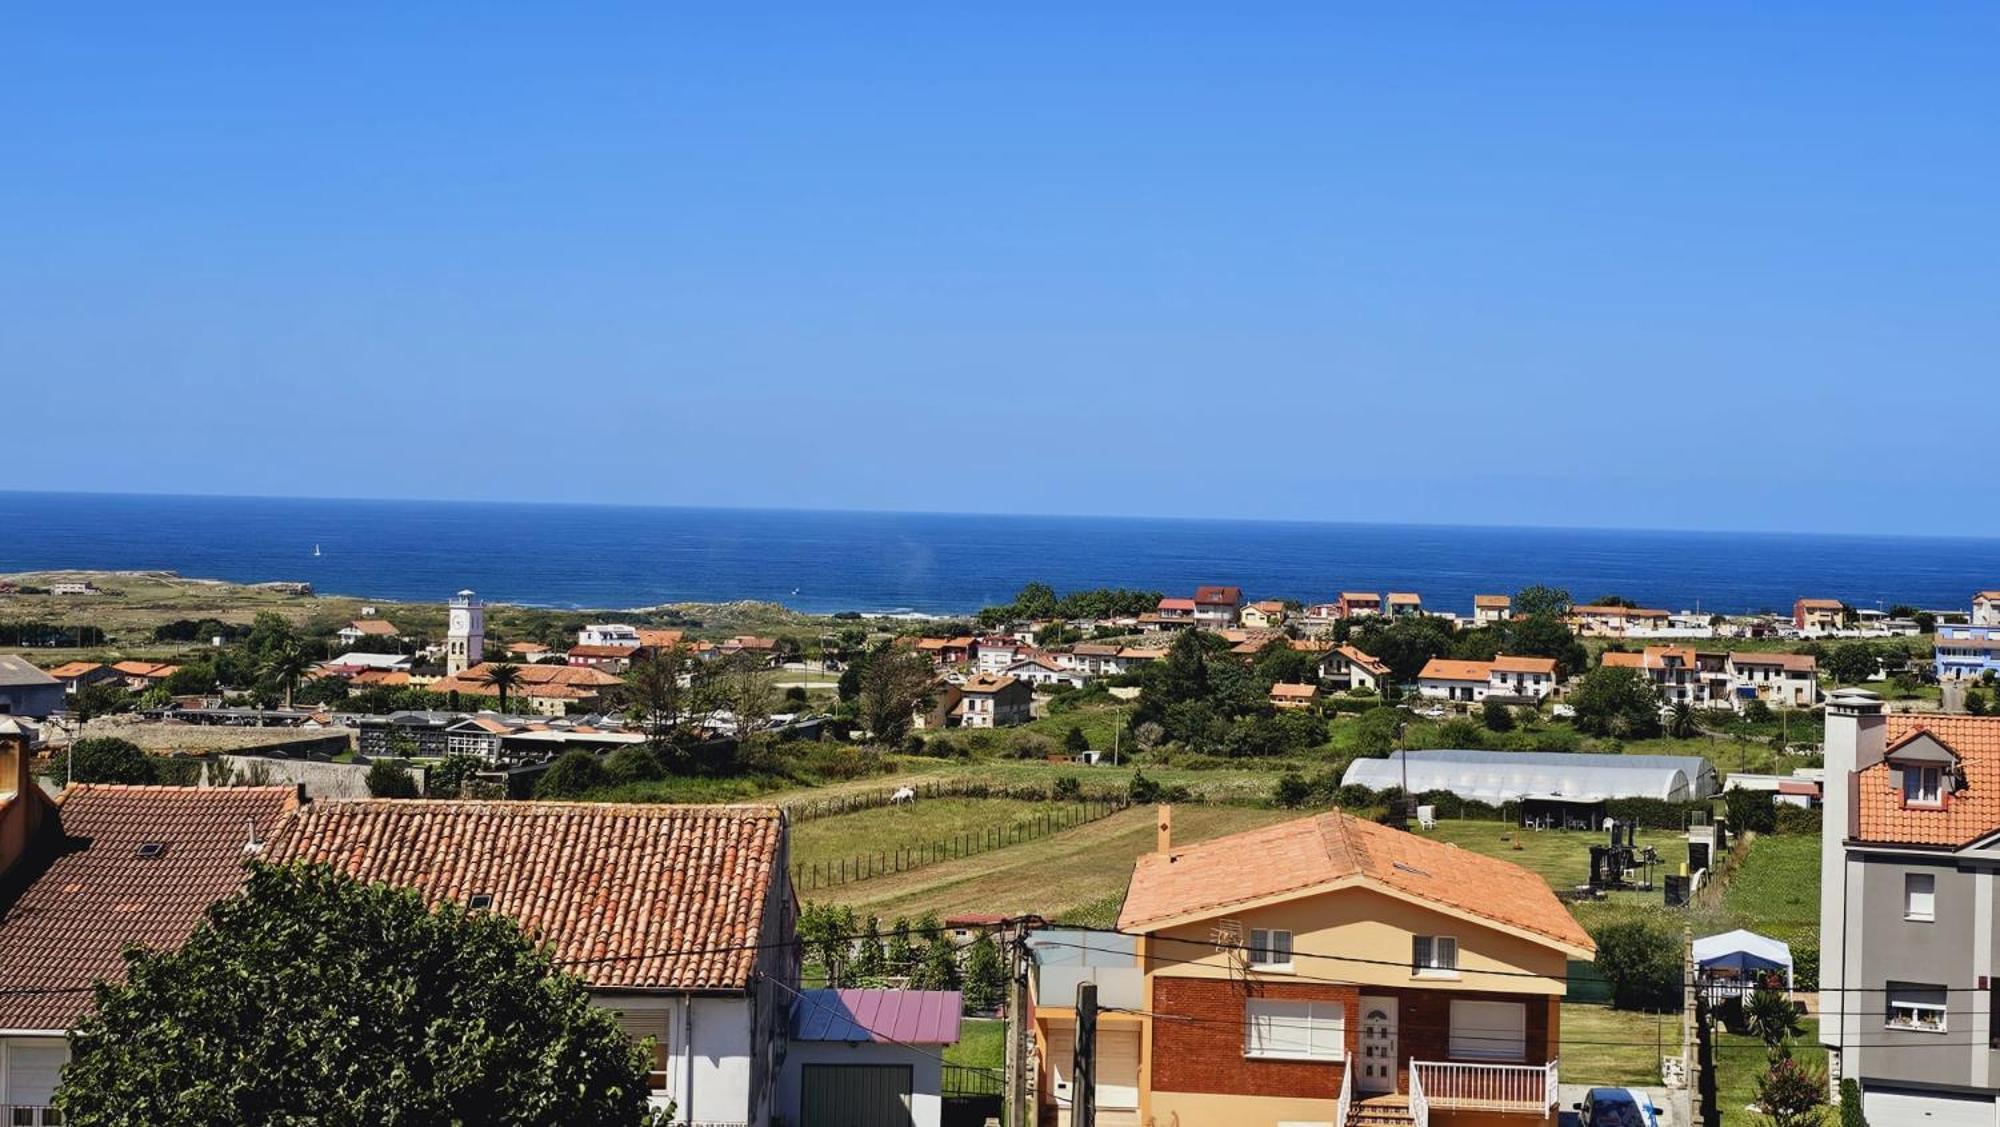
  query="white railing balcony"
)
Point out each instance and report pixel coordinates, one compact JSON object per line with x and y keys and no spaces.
{"x":1342,"y":1105}
{"x":1523,"y":1089}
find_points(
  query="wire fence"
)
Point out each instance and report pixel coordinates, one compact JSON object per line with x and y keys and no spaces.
{"x":854,"y":802}
{"x":966,"y":843}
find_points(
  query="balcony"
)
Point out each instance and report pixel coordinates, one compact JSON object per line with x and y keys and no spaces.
{"x":1504,"y":1089}
{"x":1065,"y":958}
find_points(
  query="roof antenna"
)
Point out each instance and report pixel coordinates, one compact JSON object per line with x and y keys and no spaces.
{"x":252,"y":846}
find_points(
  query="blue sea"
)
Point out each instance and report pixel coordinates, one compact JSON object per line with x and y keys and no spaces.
{"x":940,"y":563}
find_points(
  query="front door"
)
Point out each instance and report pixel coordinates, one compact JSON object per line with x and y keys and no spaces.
{"x":1378,"y":1045}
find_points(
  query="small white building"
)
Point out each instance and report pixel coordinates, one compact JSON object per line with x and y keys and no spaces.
{"x":868,"y":1057}
{"x":1490,"y":610}
{"x":1504,"y":678}
{"x":1043,"y":671}
{"x":608,"y":634}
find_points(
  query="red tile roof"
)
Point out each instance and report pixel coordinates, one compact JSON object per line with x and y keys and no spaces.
{"x":374,"y":627}
{"x":1492,"y":601}
{"x":70,"y":670}
{"x":97,"y":895}
{"x":1218,"y":596}
{"x":1509,"y":663}
{"x":1310,"y":855}
{"x":1966,"y":816}
{"x":1175,"y":604}
{"x":1445,"y":669}
{"x":646,"y":897}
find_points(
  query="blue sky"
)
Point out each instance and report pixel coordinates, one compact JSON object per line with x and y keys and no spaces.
{"x":1687,"y":265}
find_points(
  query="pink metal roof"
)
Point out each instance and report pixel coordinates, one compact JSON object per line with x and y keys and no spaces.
{"x":915,"y":1017}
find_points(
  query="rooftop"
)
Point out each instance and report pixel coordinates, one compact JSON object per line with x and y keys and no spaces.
{"x":908,"y":1017}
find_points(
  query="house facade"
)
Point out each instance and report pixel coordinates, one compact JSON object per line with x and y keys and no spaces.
{"x":1986,"y":608}
{"x":1217,"y":608}
{"x":1265,"y":614}
{"x":1816,"y":617}
{"x":1358,"y":604}
{"x":1966,"y":652}
{"x":1779,"y":680}
{"x":1490,"y":610}
{"x":1910,"y":853}
{"x":1405,"y":602}
{"x":680,"y":919}
{"x":1329,"y":970}
{"x":1347,"y":668}
{"x":1515,"y":680}
{"x":27,"y":691}
{"x":993,"y":700}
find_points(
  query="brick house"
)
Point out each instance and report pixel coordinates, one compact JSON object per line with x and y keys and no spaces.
{"x":1329,"y":970}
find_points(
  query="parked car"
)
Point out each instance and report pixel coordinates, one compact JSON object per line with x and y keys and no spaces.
{"x":1617,"y":1107}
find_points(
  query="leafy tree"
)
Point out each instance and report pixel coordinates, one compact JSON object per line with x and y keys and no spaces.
{"x":391,"y":780}
{"x":1544,"y":634}
{"x":895,"y":682}
{"x":635,"y":764}
{"x":108,"y":759}
{"x":1612,"y":601}
{"x":1643,"y":965}
{"x":1496,"y":717}
{"x":868,"y":956}
{"x":448,"y":779}
{"x":1280,"y":661}
{"x":1751,"y":810}
{"x":659,"y":684}
{"x":391,"y":1013}
{"x":104,"y":698}
{"x":1975,"y":702}
{"x":1375,"y":731}
{"x":1539,"y":599}
{"x":1852,"y":662}
{"x":1756,"y":711}
{"x":901,"y":955}
{"x":575,"y":773}
{"x":1616,"y":701}
{"x":192,"y":679}
{"x":1074,"y":741}
{"x":1404,"y":642}
{"x":985,"y":976}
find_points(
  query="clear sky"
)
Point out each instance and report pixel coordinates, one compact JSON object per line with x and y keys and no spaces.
{"x":1662,"y":265}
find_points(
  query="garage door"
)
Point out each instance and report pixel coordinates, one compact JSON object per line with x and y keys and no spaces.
{"x":1927,"y":1109}
{"x":855,"y":1095}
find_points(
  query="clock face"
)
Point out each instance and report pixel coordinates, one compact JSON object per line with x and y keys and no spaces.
{"x":460,"y":622}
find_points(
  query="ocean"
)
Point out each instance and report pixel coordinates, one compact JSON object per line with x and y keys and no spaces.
{"x":940,"y":563}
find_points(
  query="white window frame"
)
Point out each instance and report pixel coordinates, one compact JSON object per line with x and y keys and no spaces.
{"x":1318,"y":1030}
{"x":1915,"y":790}
{"x":1483,"y":1025}
{"x":1434,"y":956}
{"x":1920,"y":897}
{"x":1266,"y":947}
{"x":1907,"y":1014}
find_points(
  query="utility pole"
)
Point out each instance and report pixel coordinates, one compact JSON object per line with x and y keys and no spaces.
{"x":1083,"y":1082}
{"x":1018,"y":1055}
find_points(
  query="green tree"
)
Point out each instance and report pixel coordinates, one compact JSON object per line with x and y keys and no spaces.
{"x":1539,"y":599}
{"x":1852,"y":662}
{"x":448,"y":779}
{"x":1771,"y":1018}
{"x":895,"y":683}
{"x":985,"y":975}
{"x":1074,"y":741}
{"x":1405,"y":643}
{"x":1681,"y":721}
{"x":1496,"y":717}
{"x":1375,"y":731}
{"x":1616,"y":701}
{"x":105,"y":698}
{"x":364,"y":1007}
{"x":575,"y":773}
{"x":635,"y":764}
{"x":1643,"y":965}
{"x":1851,"y":1113}
{"x":387,"y":779}
{"x":1544,"y":634}
{"x":503,"y":676}
{"x":868,"y":955}
{"x":901,"y":956}
{"x":108,"y":759}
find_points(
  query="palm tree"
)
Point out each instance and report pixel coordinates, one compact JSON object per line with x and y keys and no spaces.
{"x":1680,"y":725}
{"x":1770,"y":1016}
{"x":503,"y":675}
{"x":287,"y":663}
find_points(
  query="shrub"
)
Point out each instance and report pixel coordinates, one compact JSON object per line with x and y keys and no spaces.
{"x":1496,"y":717}
{"x":1851,"y":1114}
{"x":1643,"y":965}
{"x":107,"y":759}
{"x":1292,"y":790}
{"x":1067,"y":789}
{"x":1031,"y":745}
{"x":1805,"y":965}
{"x":1798,"y":820}
{"x":1751,"y":810}
{"x":575,"y":773}
{"x":387,"y":779}
{"x":636,"y":764}
{"x":1074,"y":741}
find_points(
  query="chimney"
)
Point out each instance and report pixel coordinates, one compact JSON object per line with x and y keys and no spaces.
{"x":1166,"y":820}
{"x":1855,"y":740}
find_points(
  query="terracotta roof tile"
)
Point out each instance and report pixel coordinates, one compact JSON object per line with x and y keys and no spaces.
{"x":1508,"y":663}
{"x":1967,"y":815}
{"x":1310,"y":854}
{"x":646,"y":897}
{"x":1492,"y":601}
{"x":1445,"y":669}
{"x":97,"y":895}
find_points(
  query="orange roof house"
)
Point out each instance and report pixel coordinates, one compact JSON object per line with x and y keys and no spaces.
{"x":1286,"y":695}
{"x":1278,"y":964}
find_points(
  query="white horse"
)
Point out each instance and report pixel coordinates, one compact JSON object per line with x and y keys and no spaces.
{"x":903,"y":796}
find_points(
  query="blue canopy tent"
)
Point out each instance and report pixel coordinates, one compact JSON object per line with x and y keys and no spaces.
{"x":1732,"y":963}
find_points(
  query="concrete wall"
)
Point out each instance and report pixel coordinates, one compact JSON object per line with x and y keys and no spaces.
{"x":1955,"y":951}
{"x":926,"y":1074}
{"x":321,"y":780}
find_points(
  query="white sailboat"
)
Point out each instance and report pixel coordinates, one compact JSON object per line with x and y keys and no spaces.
{"x":315,"y":551}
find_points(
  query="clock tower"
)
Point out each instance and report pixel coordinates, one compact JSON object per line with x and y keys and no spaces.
{"x":465,"y":635}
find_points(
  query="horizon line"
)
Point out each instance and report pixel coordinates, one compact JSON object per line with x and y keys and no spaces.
{"x":917,"y":512}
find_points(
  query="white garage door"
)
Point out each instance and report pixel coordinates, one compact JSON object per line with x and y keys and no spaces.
{"x":1927,"y":1109}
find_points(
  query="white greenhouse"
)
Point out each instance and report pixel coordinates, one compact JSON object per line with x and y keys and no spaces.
{"x":1510,"y":776}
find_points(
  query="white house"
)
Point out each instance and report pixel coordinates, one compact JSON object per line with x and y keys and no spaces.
{"x":1043,"y":670}
{"x":1504,"y":678}
{"x":1489,"y":610}
{"x":1523,"y":678}
{"x":868,"y":1057}
{"x":1445,"y":679}
{"x":1345,"y":667}
{"x":1782,"y":680}
{"x":1986,"y":608}
{"x":608,"y":634}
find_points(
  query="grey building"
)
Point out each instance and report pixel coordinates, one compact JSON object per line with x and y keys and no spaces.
{"x":26,"y":690}
{"x":1909,"y":950}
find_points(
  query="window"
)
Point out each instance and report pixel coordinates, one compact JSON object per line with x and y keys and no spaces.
{"x":1286,"y":1030}
{"x":1270,"y":948}
{"x":1489,"y":1030}
{"x":1915,"y":1007}
{"x":1923,"y":786}
{"x":1919,"y":897}
{"x":1434,"y":955}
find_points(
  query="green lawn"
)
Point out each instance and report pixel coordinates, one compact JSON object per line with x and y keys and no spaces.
{"x":1615,"y":1048}
{"x":1740,"y":1060}
{"x":1776,"y":892}
{"x":982,"y":1043}
{"x":928,"y":822}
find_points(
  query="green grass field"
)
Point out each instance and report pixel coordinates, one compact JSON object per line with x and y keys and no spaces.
{"x":929,"y":822}
{"x":1776,"y":892}
{"x":1074,"y":871}
{"x":982,"y":1043}
{"x":1615,"y":1048}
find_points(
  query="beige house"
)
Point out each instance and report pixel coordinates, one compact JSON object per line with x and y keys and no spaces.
{"x":1265,"y":614}
{"x":1488,"y":610}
